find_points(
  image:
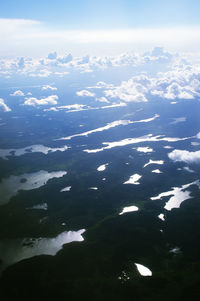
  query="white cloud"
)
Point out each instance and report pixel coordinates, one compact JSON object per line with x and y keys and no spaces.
{"x":50,"y":100}
{"x":17,"y":93}
{"x":22,"y":35}
{"x":185,"y":156}
{"x":102,"y":99}
{"x":181,"y":82}
{"x":3,"y":106}
{"x":85,"y":93}
{"x":41,"y":73}
{"x":129,"y":91}
{"x":48,"y":87}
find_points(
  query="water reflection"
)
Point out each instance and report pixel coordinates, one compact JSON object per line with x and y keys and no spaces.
{"x":42,"y":206}
{"x":129,"y":209}
{"x":9,"y":187}
{"x":4,"y":153}
{"x":133,"y":179}
{"x":144,"y":271}
{"x":14,"y":250}
{"x":109,"y":126}
{"x":160,"y":162}
{"x":178,"y":195}
{"x":68,"y":188}
{"x":156,"y":171}
{"x":102,"y":167}
{"x":128,"y":141}
{"x":161,"y":216}
{"x":144,"y":149}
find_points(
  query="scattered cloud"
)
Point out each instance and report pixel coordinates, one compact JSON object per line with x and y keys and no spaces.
{"x":85,"y":93}
{"x":102,"y":99}
{"x":17,"y":93}
{"x":178,"y":120}
{"x":50,"y":100}
{"x":48,"y":87}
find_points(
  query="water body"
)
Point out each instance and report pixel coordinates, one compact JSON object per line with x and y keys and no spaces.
{"x":133,"y":179}
{"x":144,"y":149}
{"x":129,"y":141}
{"x":38,"y":148}
{"x":42,"y":206}
{"x":156,"y":171}
{"x":144,"y":271}
{"x":160,"y":162}
{"x":177,"y":195}
{"x":129,"y":209}
{"x":14,"y":250}
{"x":109,"y":126}
{"x":68,"y":188}
{"x":161,"y":216}
{"x":102,"y":167}
{"x":9,"y":187}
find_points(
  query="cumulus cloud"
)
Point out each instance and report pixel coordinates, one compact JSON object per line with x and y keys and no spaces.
{"x":159,"y":74}
{"x":182,"y":82}
{"x":52,"y":56}
{"x":102,"y":99}
{"x":185,"y":156}
{"x":48,"y":87}
{"x":50,"y":100}
{"x":40,"y":73}
{"x":85,"y":93}
{"x":3,"y":106}
{"x":132,"y":90}
{"x":17,"y":93}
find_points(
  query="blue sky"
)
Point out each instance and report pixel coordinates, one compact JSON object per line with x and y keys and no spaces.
{"x":110,"y":14}
{"x":118,"y":25}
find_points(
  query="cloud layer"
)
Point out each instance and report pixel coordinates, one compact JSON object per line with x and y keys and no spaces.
{"x":23,"y":36}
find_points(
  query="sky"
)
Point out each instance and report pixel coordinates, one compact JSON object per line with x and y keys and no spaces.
{"x":36,"y":27}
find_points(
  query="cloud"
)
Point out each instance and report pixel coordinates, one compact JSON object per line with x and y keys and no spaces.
{"x":22,"y":35}
{"x":184,"y":156}
{"x":85,"y":93}
{"x":102,"y":99}
{"x":3,"y":106}
{"x":179,"y":79}
{"x":41,"y":73}
{"x":50,"y":100}
{"x":48,"y":87}
{"x":52,"y":56}
{"x":129,"y":91}
{"x":17,"y":93}
{"x":181,"y":82}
